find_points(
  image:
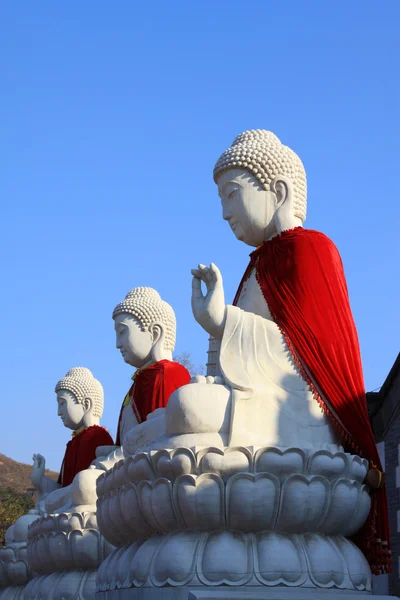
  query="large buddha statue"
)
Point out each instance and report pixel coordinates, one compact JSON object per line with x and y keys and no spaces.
{"x":289,"y":379}
{"x":80,"y":400}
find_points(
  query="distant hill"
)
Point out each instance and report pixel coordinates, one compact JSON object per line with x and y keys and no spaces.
{"x":17,"y":475}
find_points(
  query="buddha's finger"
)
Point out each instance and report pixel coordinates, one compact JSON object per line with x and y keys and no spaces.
{"x":207,"y":273}
{"x":196,"y":288}
{"x":216,"y":272}
{"x":196,"y":273}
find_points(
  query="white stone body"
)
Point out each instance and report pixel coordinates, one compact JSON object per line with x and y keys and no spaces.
{"x":272,"y":402}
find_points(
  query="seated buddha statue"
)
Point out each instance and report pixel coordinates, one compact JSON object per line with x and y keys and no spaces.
{"x":80,"y":400}
{"x":289,"y":366}
{"x":145,"y":329}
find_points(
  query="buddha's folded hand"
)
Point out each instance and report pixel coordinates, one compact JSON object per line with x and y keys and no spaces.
{"x":209,"y":309}
{"x":145,"y":433}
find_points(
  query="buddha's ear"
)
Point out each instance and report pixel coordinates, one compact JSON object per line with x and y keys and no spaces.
{"x":87,"y":404}
{"x":157,"y":332}
{"x":282,"y":187}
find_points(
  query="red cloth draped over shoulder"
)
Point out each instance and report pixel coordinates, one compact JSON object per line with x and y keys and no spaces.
{"x":81,"y":452}
{"x":301,"y":276}
{"x":152,"y":387}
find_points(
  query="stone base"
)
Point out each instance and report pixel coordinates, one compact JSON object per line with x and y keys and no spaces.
{"x":62,"y":585}
{"x":12,"y":592}
{"x":266,"y":559}
{"x":235,"y":593}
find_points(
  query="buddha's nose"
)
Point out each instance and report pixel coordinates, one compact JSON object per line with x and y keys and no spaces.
{"x":225,"y":213}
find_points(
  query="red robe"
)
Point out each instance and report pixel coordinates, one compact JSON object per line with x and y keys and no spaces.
{"x":81,"y":452}
{"x":301,"y":276}
{"x":152,"y":388}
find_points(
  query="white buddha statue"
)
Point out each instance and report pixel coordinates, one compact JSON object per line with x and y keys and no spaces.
{"x":145,"y":330}
{"x":264,"y":399}
{"x":256,"y":477}
{"x":80,"y":401}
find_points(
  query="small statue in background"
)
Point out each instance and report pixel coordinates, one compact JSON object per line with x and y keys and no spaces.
{"x":80,"y":400}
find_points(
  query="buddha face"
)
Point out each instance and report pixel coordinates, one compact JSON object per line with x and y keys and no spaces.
{"x":248,"y":208}
{"x":70,"y":410}
{"x":134,"y":344}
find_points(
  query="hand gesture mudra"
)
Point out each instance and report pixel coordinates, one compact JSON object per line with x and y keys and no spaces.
{"x":39,"y":465}
{"x":209,"y":309}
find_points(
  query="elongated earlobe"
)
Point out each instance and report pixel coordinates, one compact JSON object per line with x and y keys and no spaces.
{"x":156,"y":332}
{"x":281,"y":190}
{"x":87,"y":404}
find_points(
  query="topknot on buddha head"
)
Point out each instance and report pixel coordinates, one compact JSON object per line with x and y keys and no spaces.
{"x":81,"y":383}
{"x":262,"y":154}
{"x":147,"y":307}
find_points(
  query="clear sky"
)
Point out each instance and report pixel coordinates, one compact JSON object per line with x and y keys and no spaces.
{"x":112,"y":117}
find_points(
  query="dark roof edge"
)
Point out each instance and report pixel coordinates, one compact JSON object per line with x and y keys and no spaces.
{"x":391,"y":376}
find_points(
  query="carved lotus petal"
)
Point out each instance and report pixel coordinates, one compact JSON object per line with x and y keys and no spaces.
{"x":4,"y":581}
{"x":140,"y":468}
{"x":101,"y":485}
{"x":109,"y":481}
{"x":360,"y":514}
{"x":225,"y":463}
{"x":102,"y":517}
{"x":280,"y":463}
{"x":59,"y":552}
{"x":108,"y":567}
{"x":327,"y":565}
{"x":157,"y":506}
{"x":40,"y":558}
{"x":122,"y":565}
{"x":106,"y":522}
{"x":357,"y":564}
{"x":174,"y":562}
{"x":200,"y":501}
{"x":327,"y":464}
{"x":140,"y":563}
{"x":279,"y":559}
{"x":252,"y":501}
{"x":172,"y":464}
{"x":85,"y":549}
{"x":67,"y":585}
{"x":75,"y":521}
{"x":115,"y":517}
{"x":226,"y":559}
{"x":90,"y":521}
{"x":18,"y":572}
{"x":7,"y":553}
{"x":132,"y":513}
{"x":119,"y":473}
{"x":358,"y":468}
{"x":47,"y":524}
{"x":303,"y":505}
{"x":344,"y":515}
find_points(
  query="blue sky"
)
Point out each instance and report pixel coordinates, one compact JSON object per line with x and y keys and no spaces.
{"x":112,"y":117}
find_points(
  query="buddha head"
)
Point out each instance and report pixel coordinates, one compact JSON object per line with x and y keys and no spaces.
{"x":145,"y":327}
{"x":80,"y":399}
{"x":262,"y":186}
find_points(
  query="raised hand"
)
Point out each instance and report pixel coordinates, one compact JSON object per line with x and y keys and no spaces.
{"x":209,"y":309}
{"x":39,"y":465}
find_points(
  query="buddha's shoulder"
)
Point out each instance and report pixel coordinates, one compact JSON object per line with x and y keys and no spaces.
{"x":95,"y":432}
{"x":312,"y":236}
